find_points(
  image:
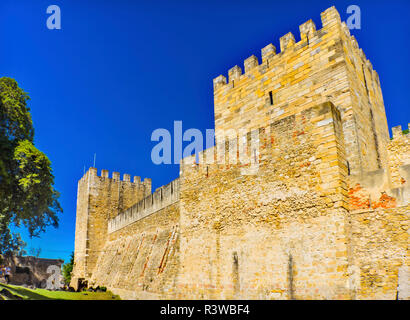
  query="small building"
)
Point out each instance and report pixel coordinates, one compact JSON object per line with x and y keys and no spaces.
{"x":33,"y":271}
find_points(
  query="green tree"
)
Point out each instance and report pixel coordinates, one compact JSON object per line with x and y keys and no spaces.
{"x":27,"y":195}
{"x":68,"y":269}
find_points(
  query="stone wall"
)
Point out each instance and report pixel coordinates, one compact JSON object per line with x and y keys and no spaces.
{"x":141,"y":260}
{"x":388,"y":187}
{"x":279,"y":233}
{"x":399,"y":157}
{"x":379,"y":253}
{"x":140,"y":256}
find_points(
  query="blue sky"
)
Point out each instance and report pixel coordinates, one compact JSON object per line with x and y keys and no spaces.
{"x":117,"y":70}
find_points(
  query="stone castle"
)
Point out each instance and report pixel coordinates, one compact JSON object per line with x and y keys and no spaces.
{"x":325,"y":215}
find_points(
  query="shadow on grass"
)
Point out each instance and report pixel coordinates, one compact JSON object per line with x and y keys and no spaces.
{"x":43,"y":294}
{"x":25,"y":293}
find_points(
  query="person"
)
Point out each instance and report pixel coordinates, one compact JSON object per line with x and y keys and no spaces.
{"x":7,"y":273}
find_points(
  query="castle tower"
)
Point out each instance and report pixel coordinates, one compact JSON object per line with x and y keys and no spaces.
{"x":325,"y":65}
{"x":100,"y":198}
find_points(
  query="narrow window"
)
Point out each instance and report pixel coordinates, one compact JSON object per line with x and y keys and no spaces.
{"x":271,"y":98}
{"x":235,"y":273}
{"x":365,"y":81}
{"x":376,"y":142}
{"x":291,"y":287}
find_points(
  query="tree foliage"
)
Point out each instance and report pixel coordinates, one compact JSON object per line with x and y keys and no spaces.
{"x":68,"y":269}
{"x":27,"y":195}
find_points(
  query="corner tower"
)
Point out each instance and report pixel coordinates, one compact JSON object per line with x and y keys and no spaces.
{"x":325,"y":65}
{"x":100,"y":198}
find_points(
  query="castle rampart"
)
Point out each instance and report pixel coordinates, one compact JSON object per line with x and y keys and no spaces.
{"x":304,"y":195}
{"x":161,"y":198}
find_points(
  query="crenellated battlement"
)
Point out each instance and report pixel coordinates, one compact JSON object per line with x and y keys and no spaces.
{"x":324,"y":64}
{"x":399,"y":133}
{"x":115,"y":176}
{"x":330,"y":17}
{"x":307,"y":30}
{"x":161,"y":198}
{"x":308,"y":35}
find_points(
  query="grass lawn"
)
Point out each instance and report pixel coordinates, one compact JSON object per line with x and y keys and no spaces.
{"x":43,"y":294}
